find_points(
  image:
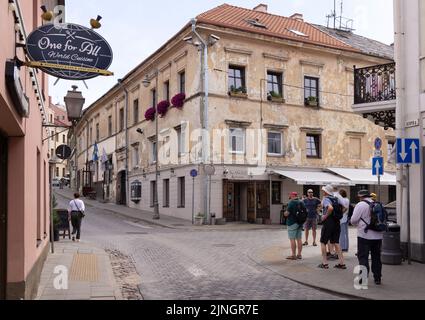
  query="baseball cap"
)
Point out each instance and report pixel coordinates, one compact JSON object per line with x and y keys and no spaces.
{"x":364,"y":194}
{"x":294,"y":194}
{"x":310,"y":191}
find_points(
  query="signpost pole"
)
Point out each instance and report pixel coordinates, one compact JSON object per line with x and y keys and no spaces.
{"x":379,"y":187}
{"x":408,"y":216}
{"x":193,"y":200}
{"x":52,"y":236}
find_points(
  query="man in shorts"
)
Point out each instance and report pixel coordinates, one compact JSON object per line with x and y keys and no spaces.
{"x":294,"y":229}
{"x":312,"y":204}
{"x":331,"y":229}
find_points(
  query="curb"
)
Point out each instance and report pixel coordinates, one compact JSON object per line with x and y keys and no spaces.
{"x":338,"y":293}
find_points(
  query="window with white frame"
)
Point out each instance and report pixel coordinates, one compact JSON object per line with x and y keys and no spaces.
{"x":274,"y":143}
{"x":237,"y":140}
{"x":136,"y":157}
{"x":181,"y":139}
{"x":153,"y":151}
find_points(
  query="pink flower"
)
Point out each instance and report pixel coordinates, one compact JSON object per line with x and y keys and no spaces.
{"x":178,"y":100}
{"x":162,"y":108}
{"x":150,"y":114}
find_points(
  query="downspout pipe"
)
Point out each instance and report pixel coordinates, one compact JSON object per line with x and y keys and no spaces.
{"x":126,"y":139}
{"x":400,"y":92}
{"x":205,"y":120}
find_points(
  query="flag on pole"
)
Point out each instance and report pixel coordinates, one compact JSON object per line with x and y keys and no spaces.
{"x":95,"y":153}
{"x":104,"y":159}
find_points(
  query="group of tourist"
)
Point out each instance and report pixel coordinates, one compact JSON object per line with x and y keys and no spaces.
{"x":337,"y":214}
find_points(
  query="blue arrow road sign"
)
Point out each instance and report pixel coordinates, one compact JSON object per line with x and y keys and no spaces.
{"x":408,"y":151}
{"x":378,"y":166}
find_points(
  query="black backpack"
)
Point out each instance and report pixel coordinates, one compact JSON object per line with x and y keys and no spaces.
{"x":337,"y":213}
{"x":301,"y":213}
{"x":378,"y":217}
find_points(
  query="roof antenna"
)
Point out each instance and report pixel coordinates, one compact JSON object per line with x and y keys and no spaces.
{"x":332,"y":16}
{"x":345,"y":24}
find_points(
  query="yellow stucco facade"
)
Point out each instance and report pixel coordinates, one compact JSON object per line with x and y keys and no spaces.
{"x":346,"y":139}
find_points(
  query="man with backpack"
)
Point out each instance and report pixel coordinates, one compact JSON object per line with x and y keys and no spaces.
{"x":296,"y":215}
{"x":331,"y":229}
{"x":371,"y":220}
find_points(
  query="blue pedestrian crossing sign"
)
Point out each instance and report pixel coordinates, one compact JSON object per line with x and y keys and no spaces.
{"x":408,"y":151}
{"x":378,"y":166}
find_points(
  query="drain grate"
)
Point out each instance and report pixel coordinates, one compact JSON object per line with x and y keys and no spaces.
{"x":224,"y":245}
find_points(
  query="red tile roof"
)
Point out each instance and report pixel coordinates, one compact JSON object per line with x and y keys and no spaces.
{"x":277,"y":26}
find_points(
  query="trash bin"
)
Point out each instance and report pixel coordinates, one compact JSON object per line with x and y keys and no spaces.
{"x":391,"y":246}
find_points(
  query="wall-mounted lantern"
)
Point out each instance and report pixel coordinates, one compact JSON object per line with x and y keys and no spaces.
{"x":136,"y":191}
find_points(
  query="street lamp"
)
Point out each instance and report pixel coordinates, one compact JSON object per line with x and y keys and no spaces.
{"x":202,"y":44}
{"x":74,"y":102}
{"x":146,"y":83}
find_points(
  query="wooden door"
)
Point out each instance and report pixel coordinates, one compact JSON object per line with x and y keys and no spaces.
{"x":229,"y":201}
{"x":263,"y":200}
{"x":251,"y":203}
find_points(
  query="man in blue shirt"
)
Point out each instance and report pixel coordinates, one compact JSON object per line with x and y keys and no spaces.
{"x":312,"y":204}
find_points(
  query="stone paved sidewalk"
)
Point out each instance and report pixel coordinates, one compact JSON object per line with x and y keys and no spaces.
{"x":88,"y":270}
{"x":405,"y":282}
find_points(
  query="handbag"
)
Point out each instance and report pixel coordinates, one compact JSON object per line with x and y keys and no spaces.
{"x":82,"y":215}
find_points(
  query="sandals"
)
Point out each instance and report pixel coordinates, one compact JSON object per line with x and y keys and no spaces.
{"x":323,"y":266}
{"x":299,"y":257}
{"x":292,"y":258}
{"x":315,"y":244}
{"x":305,"y":244}
{"x":341,"y":266}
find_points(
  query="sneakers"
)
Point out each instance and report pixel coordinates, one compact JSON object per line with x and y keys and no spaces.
{"x":378,"y":282}
{"x":73,"y":239}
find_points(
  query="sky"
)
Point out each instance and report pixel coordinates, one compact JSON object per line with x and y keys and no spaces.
{"x":137,"y":28}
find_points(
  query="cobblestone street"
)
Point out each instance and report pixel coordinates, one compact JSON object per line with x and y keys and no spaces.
{"x":189,"y":265}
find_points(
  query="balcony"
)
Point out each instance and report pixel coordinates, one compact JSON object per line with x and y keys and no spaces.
{"x":375,"y":94}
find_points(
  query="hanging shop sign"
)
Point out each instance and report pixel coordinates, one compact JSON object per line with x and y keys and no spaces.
{"x":69,"y":51}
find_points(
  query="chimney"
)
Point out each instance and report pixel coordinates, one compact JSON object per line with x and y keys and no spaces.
{"x":298,"y":17}
{"x":261,"y":8}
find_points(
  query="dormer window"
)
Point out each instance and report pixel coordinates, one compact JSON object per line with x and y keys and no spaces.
{"x":256,"y":23}
{"x":298,"y":33}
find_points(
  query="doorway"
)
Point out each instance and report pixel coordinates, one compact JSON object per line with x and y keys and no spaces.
{"x":121,"y":190}
{"x":3,"y":216}
{"x":246,"y":201}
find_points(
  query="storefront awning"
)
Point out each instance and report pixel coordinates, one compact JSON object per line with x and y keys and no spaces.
{"x":315,"y":178}
{"x":364,"y":176}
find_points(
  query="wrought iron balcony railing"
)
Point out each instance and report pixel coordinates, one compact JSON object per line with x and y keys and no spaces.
{"x":375,"y":84}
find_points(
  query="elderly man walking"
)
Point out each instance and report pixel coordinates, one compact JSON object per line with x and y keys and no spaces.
{"x":368,"y":241}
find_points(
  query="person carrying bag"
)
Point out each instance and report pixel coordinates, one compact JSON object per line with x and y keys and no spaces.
{"x":76,"y":211}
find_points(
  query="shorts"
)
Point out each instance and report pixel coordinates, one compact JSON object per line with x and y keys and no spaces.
{"x":311,"y":224}
{"x":331,"y":232}
{"x":295,"y":232}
